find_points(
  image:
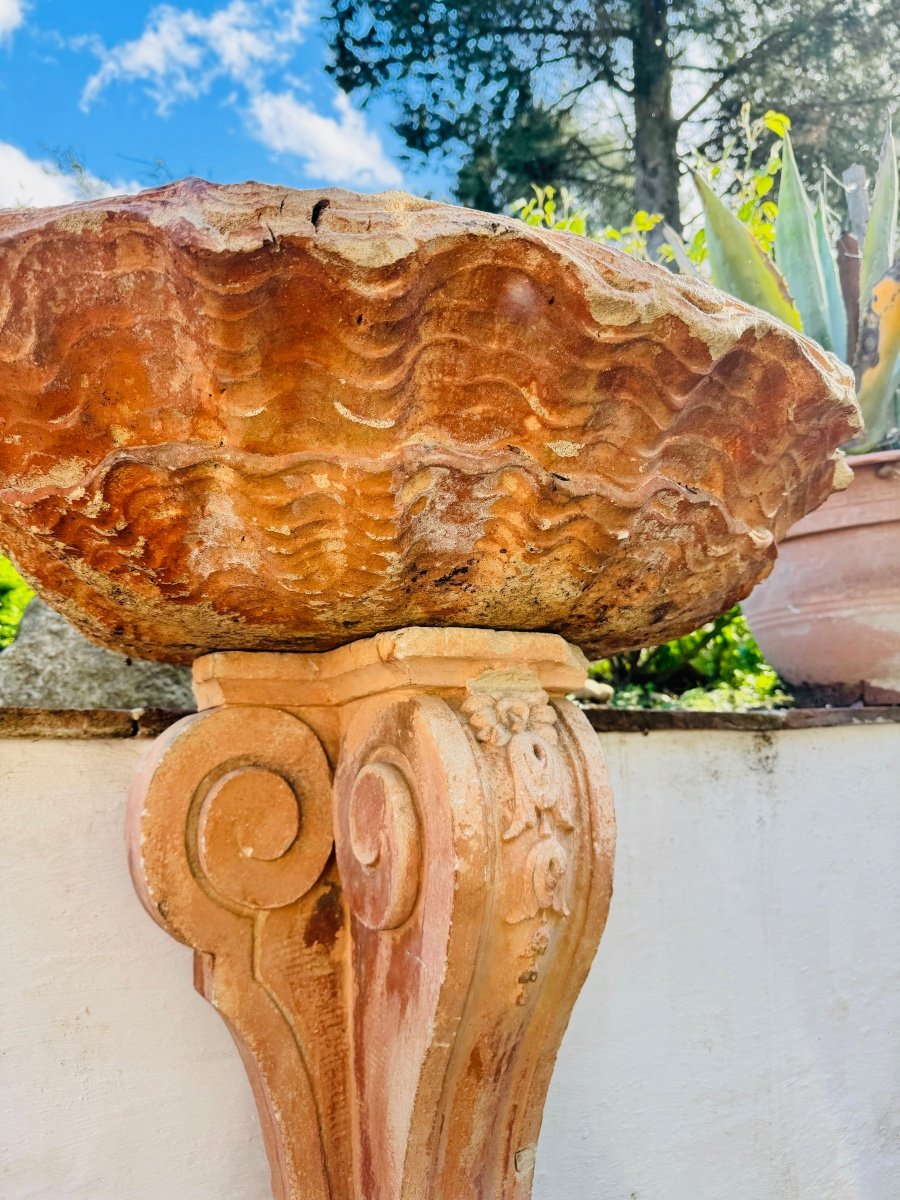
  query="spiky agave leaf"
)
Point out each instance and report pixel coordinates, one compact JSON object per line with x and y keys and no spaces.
{"x":837,"y":312}
{"x":878,"y":358}
{"x":878,"y":247}
{"x":848,"y":261}
{"x":737,"y":262}
{"x":797,"y":253}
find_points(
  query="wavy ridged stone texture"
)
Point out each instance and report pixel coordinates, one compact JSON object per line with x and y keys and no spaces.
{"x":251,"y":417}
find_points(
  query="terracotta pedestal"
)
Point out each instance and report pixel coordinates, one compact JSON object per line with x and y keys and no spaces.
{"x":394,"y":863}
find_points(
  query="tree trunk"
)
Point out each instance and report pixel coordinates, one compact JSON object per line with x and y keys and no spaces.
{"x":656,"y":170}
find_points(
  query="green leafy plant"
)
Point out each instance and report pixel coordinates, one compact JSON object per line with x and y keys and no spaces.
{"x":718,"y":667}
{"x":769,"y":244}
{"x":15,"y":595}
{"x":748,"y":172}
{"x":633,"y":238}
{"x":847,"y":298}
{"x":544,"y":211}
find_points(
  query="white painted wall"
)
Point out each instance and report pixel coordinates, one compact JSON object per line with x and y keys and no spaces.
{"x":738,"y":1039}
{"x":739,"y":1035}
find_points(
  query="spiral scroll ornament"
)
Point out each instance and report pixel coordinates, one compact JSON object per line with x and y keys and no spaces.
{"x":262,"y":815}
{"x":254,"y":788}
{"x":230,"y":840}
{"x":379,"y":856}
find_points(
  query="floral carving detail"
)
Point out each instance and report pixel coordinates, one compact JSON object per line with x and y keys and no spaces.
{"x":524,"y":724}
{"x":497,"y":717}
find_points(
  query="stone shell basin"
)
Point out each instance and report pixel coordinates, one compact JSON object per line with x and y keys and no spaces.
{"x":251,"y":417}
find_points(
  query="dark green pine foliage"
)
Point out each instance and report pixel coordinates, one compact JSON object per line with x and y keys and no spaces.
{"x":602,"y":95}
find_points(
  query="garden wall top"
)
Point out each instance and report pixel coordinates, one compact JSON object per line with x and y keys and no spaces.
{"x":84,"y":724}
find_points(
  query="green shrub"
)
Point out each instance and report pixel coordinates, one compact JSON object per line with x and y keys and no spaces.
{"x":14,"y":597}
{"x":718,"y":667}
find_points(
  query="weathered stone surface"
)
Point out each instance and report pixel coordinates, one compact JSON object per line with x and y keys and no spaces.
{"x":51,"y":665}
{"x":250,"y":417}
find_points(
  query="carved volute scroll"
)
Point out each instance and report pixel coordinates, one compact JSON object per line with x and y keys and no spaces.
{"x":400,"y":1002}
{"x":230,"y":840}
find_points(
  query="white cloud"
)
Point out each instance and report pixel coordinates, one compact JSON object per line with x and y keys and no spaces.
{"x":40,"y":183}
{"x":12,"y":15}
{"x":342,"y":149}
{"x":181,"y":53}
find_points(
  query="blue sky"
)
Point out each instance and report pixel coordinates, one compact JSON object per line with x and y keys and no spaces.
{"x":226,"y":89}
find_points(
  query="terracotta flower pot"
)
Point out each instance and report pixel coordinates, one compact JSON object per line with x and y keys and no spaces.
{"x":829,"y":614}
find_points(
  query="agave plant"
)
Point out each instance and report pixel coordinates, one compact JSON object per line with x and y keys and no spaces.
{"x":848,"y":301}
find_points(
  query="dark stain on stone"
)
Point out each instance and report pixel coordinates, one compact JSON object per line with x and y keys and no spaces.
{"x":327,"y":919}
{"x":765,"y":756}
{"x":476,"y":1066}
{"x":318,"y":209}
{"x":451,"y":575}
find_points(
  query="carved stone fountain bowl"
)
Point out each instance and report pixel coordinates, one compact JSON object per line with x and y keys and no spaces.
{"x":251,"y":417}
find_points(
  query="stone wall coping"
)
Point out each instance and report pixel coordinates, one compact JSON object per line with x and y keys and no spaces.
{"x":85,"y":724}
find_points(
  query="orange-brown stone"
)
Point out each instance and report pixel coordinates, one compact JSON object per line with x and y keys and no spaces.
{"x":247,"y":417}
{"x":399,"y":1002}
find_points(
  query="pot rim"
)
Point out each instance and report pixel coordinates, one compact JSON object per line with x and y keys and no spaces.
{"x":876,"y":456}
{"x":843,"y":509}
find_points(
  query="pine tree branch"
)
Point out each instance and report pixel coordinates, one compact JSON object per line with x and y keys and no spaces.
{"x":775,"y":38}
